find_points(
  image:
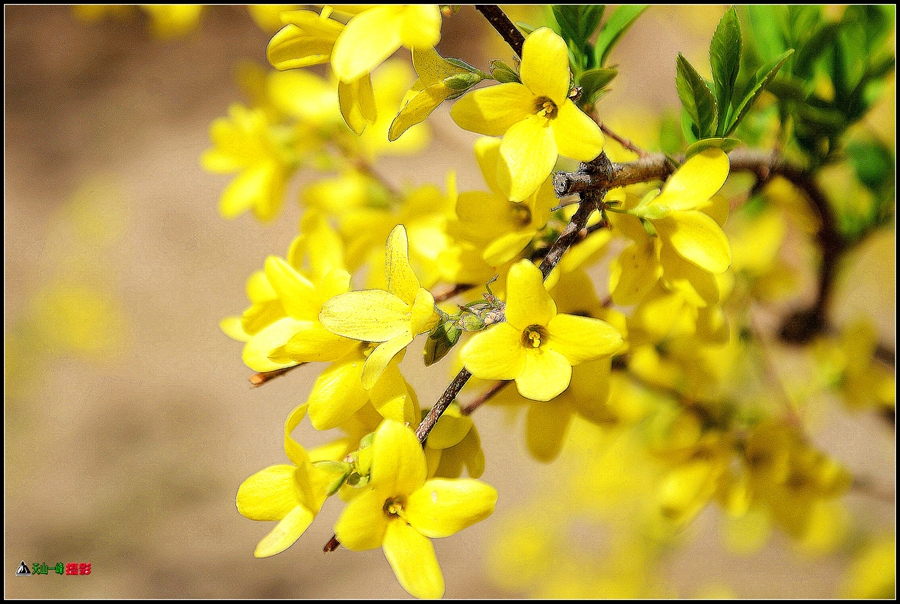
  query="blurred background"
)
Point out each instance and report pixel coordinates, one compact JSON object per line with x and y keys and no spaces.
{"x":129,"y":420}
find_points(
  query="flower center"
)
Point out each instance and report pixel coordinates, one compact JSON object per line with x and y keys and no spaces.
{"x":521,"y":214}
{"x":534,"y":336}
{"x":545,"y":107}
{"x":393,"y":507}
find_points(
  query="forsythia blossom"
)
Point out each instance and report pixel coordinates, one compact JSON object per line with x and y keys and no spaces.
{"x":401,"y":510}
{"x":393,"y":317}
{"x":537,"y":120}
{"x":537,"y":347}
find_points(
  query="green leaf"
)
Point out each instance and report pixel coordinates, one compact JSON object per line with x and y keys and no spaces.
{"x":725,"y":60}
{"x":577,"y":22}
{"x":769,"y":29}
{"x":764,"y":76}
{"x":593,"y":81}
{"x":614,"y":28}
{"x":725,"y":144}
{"x":696,"y":97}
{"x":503,"y":73}
{"x":873,"y":163}
{"x":808,"y":53}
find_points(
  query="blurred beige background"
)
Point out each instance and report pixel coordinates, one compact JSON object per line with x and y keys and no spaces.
{"x":129,"y":420}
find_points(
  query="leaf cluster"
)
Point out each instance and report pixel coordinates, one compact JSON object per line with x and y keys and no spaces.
{"x":713,"y":110}
{"x":836,"y":74}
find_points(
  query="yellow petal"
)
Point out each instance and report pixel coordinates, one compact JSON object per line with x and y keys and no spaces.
{"x":451,"y":428}
{"x":545,"y":65}
{"x":401,"y":280}
{"x":495,"y":354}
{"x":297,"y":294}
{"x":313,"y":343}
{"x":582,"y":339}
{"x":259,"y":187}
{"x":285,"y":533}
{"x":372,"y":315}
{"x":635,"y":273}
{"x":423,"y":316}
{"x":337,"y":393}
{"x":363,"y":522}
{"x":269,"y":494}
{"x":418,"y":108}
{"x":257,"y":349}
{"x":506,"y":247}
{"x":420,"y":26}
{"x":487,"y":152}
{"x":492,"y":110}
{"x":293,"y":46}
{"x":546,"y":425}
{"x":695,"y":182}
{"x":527,"y":301}
{"x":443,"y":507}
{"x":697,"y":238}
{"x":528,"y":154}
{"x":367,"y":40}
{"x":398,"y":463}
{"x":381,"y":356}
{"x":546,"y":375}
{"x":577,"y":136}
{"x":391,"y":397}
{"x":357,"y":103}
{"x":412,"y":558}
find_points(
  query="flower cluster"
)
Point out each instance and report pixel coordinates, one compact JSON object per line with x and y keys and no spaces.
{"x":663,"y":369}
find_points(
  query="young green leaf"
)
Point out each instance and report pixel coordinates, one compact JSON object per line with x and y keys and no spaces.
{"x":593,"y":81}
{"x":764,"y":76}
{"x":725,"y":60}
{"x":614,"y":28}
{"x":696,"y":97}
{"x":577,"y":22}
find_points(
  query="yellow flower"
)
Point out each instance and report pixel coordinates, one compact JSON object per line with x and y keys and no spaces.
{"x":498,"y":226}
{"x":537,"y":120}
{"x":536,"y":347}
{"x":678,"y":216}
{"x":338,"y":392}
{"x":248,"y":142}
{"x":375,"y":34}
{"x":401,"y":511}
{"x":392,"y":317}
{"x":309,"y":39}
{"x":291,"y":494}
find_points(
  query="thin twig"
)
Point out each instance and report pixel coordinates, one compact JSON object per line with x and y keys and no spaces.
{"x":500,"y":22}
{"x":626,"y":143}
{"x":485,"y":397}
{"x":258,"y":379}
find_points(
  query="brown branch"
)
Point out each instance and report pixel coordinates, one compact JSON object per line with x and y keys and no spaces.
{"x":500,"y":22}
{"x":449,"y":395}
{"x":654,"y":166}
{"x":485,"y":397}
{"x":451,"y":291}
{"x":802,"y":325}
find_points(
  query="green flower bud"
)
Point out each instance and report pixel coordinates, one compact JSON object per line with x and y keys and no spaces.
{"x":440,"y":341}
{"x":503,"y":73}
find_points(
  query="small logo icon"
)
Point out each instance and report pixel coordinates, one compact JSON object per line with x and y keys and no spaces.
{"x":23,"y":570}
